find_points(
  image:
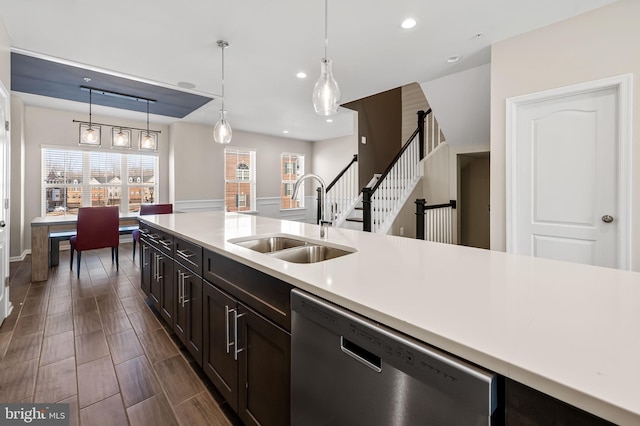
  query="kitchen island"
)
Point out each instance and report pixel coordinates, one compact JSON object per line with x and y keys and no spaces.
{"x":570,"y":331}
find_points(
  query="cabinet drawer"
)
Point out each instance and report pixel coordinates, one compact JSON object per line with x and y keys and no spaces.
{"x":188,"y":254}
{"x":267,"y":295}
{"x":161,"y":240}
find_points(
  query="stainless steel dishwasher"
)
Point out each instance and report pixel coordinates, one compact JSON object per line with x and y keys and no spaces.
{"x":348,"y":370}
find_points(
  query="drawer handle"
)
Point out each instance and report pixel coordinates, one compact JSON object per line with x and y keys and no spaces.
{"x":184,"y":293}
{"x":185,"y":253}
{"x":236,"y":351}
{"x":165,"y":243}
{"x":227,"y":311}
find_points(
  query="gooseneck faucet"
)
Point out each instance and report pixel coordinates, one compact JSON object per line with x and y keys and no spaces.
{"x":324,"y":224}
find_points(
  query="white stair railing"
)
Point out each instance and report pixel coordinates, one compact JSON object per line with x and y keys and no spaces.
{"x":383,"y":201}
{"x":433,"y":223}
{"x":343,"y":193}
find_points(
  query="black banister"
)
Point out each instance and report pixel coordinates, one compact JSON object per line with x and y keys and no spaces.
{"x":333,"y":182}
{"x":419,"y":130}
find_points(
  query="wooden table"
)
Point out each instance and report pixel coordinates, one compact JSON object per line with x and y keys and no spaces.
{"x":40,"y":229}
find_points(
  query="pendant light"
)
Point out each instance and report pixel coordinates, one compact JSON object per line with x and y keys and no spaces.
{"x":326,"y":93}
{"x":90,"y":136}
{"x":222,"y":130}
{"x":148,"y":142}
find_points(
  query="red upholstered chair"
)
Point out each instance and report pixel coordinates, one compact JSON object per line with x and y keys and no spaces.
{"x":148,"y":209}
{"x":97,"y":228}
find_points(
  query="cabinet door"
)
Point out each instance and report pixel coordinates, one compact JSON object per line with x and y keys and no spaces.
{"x":166,"y":278}
{"x":145,"y":263}
{"x":155,"y":289}
{"x":264,"y":370}
{"x":180,"y":313}
{"x":192,"y":294}
{"x":218,"y":362}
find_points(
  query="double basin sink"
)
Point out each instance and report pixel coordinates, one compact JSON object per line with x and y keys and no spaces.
{"x":292,"y":249}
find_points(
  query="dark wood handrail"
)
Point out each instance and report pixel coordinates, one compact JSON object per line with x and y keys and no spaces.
{"x":451,"y":204}
{"x":397,"y":157}
{"x":337,"y":178}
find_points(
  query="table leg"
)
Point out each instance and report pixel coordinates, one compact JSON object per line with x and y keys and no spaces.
{"x":39,"y":253}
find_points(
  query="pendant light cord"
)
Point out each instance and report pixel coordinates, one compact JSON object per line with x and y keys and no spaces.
{"x":90,"y":108}
{"x":223,"y":46}
{"x":326,"y":27}
{"x":147,"y":118}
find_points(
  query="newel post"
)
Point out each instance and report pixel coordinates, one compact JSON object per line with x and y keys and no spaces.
{"x":366,"y":209}
{"x":420,"y":203}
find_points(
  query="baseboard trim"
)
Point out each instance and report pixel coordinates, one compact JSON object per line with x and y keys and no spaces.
{"x":21,"y":257}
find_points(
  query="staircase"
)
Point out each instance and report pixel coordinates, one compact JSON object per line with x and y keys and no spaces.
{"x":375,"y":208}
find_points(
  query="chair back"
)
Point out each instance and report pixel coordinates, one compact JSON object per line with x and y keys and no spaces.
{"x":97,"y":228}
{"x":147,"y":209}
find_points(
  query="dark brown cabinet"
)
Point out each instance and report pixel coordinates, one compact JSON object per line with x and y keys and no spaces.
{"x":219,"y":352}
{"x":233,"y":319}
{"x":145,"y":266}
{"x":264,"y":364}
{"x":248,"y":359}
{"x":156,"y":253}
{"x":188,"y":310}
{"x":247,"y":342}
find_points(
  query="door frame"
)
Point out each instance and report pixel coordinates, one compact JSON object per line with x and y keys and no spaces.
{"x":623,"y":84}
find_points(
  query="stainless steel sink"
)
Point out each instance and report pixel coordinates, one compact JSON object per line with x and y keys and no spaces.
{"x":271,"y":244}
{"x":309,"y":254}
{"x":292,"y":249}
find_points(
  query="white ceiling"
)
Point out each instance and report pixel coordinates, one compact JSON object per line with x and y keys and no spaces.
{"x":168,"y":42}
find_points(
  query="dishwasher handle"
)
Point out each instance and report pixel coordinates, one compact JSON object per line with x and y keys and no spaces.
{"x":361,"y":355}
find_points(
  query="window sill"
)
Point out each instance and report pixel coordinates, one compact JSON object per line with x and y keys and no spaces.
{"x":294,"y":209}
{"x":248,"y":212}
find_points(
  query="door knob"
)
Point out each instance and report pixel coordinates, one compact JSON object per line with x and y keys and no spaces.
{"x":2,"y":224}
{"x":607,"y":219}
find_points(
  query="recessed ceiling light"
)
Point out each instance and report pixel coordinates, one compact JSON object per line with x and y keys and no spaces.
{"x":87,"y":79}
{"x":186,"y":85}
{"x":408,"y":23}
{"x":301,"y":75}
{"x":285,"y":131}
{"x":329,"y":120}
{"x":454,"y":58}
{"x":478,"y":35}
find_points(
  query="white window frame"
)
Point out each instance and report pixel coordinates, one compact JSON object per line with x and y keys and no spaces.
{"x":251,"y":178}
{"x":86,"y":186}
{"x":286,"y":157}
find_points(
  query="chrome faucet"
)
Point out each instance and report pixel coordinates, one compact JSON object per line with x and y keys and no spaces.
{"x":324,"y":224}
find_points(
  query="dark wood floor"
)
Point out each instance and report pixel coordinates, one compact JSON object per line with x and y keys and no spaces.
{"x":94,"y":343}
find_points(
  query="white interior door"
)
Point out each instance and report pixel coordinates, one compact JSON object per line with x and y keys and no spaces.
{"x":5,"y":305}
{"x":565,"y":193}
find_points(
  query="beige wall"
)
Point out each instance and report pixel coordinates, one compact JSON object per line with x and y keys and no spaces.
{"x":53,"y":127}
{"x":198,"y":162}
{"x":598,"y":44}
{"x":330,"y":156}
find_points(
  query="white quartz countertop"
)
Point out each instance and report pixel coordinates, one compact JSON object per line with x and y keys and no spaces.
{"x":569,"y":330}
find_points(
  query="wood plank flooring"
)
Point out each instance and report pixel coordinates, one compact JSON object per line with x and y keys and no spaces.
{"x":94,"y":343}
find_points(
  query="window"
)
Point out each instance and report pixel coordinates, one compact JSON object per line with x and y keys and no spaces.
{"x":74,"y":178}
{"x":291,"y":170}
{"x":240,"y":179}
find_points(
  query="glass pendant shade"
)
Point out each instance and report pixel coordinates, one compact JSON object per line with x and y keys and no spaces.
{"x":90,"y":136}
{"x":147,"y":142}
{"x":326,"y":93}
{"x":121,"y":138}
{"x":222,"y":131}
